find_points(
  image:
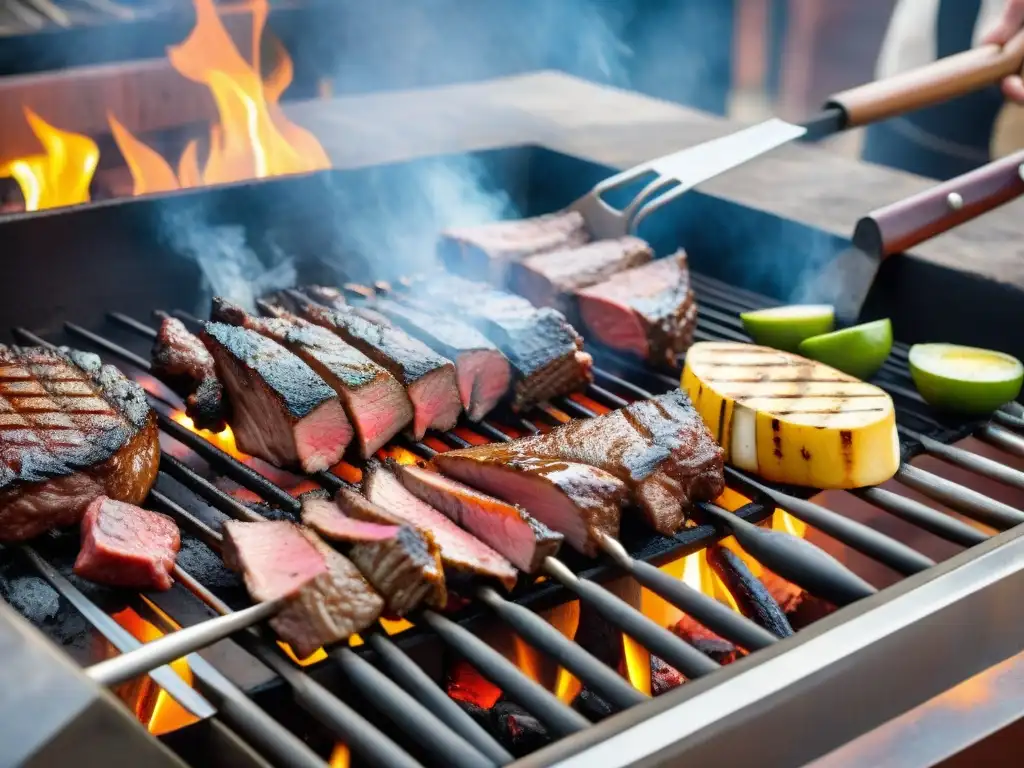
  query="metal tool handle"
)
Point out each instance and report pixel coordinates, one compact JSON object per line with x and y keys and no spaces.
{"x":931,"y":84}
{"x":903,"y":224}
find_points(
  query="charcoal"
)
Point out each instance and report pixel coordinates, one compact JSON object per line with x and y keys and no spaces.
{"x":592,"y":706}
{"x":518,"y":731}
{"x":598,"y":637}
{"x":664,"y":677}
{"x":704,"y":640}
{"x":807,"y":610}
{"x":753,"y":599}
{"x":479,"y":714}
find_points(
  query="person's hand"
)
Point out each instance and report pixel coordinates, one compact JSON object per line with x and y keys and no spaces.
{"x":1009,"y":24}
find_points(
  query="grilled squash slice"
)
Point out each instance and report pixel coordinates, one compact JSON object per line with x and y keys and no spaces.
{"x":792,"y":420}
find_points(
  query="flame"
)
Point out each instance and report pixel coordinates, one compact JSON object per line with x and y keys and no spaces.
{"x":225,"y":439}
{"x":164,"y":714}
{"x":61,"y":175}
{"x":566,"y":619}
{"x":638,"y":664}
{"x":339,"y":757}
{"x":399,"y":454}
{"x":150,"y":172}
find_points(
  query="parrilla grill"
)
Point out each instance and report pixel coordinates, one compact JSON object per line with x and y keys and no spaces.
{"x":410,"y":720}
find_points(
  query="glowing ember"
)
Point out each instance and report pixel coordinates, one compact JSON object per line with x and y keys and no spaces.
{"x":161,"y":714}
{"x":339,"y":757}
{"x":61,"y":175}
{"x":399,"y":454}
{"x":467,"y":685}
{"x":224,"y":440}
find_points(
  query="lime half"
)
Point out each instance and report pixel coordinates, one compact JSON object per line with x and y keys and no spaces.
{"x":858,"y":350}
{"x":785,"y":327}
{"x":965,"y":379}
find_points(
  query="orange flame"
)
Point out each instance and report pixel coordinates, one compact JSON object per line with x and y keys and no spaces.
{"x":61,"y":175}
{"x":165,"y":714}
{"x":225,"y":439}
{"x":339,"y":757}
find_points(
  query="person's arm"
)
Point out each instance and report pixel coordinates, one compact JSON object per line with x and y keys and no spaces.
{"x":1010,"y":22}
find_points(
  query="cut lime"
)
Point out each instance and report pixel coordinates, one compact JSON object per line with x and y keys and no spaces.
{"x":965,"y":379}
{"x":785,"y":327}
{"x":858,"y":350}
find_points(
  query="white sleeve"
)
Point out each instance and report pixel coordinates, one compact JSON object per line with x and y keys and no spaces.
{"x":910,"y":39}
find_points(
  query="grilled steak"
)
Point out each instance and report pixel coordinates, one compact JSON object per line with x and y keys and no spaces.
{"x":428,"y":378}
{"x":328,"y":598}
{"x":483,"y":373}
{"x":459,"y":550}
{"x":580,"y":501}
{"x":550,"y":279}
{"x":181,"y":361}
{"x":507,"y":528}
{"x":648,"y":311}
{"x":126,"y":546}
{"x":659,"y":448}
{"x":545,"y":351}
{"x":398,"y":560}
{"x":71,"y":429}
{"x":484,"y":252}
{"x":282,"y":411}
{"x":374,"y":401}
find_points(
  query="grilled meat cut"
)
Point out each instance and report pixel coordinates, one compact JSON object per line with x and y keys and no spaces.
{"x":483,"y":372}
{"x":71,"y":429}
{"x":551,"y":279}
{"x":375,"y":403}
{"x":579,"y":501}
{"x":545,"y":351}
{"x":648,"y":311}
{"x":181,"y":361}
{"x":329,"y":600}
{"x":485,"y":251}
{"x":428,"y":378}
{"x":282,"y":411}
{"x":508,"y":528}
{"x":127,"y":546}
{"x":399,"y":561}
{"x":460,"y":551}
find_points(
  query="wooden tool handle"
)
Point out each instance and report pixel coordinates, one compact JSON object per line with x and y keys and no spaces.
{"x":904,"y":224}
{"x":931,"y":84}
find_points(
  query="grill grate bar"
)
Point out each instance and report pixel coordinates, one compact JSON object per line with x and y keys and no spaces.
{"x":924,"y":517}
{"x":1003,"y":439}
{"x":966,"y":501}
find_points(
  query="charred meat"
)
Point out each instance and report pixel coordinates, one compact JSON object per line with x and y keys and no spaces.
{"x":428,"y":378}
{"x":282,"y":410}
{"x":328,"y":599}
{"x":545,"y":351}
{"x":460,"y":551}
{"x":71,"y":429}
{"x":182,"y":362}
{"x":551,"y":279}
{"x":485,"y":251}
{"x":126,"y":546}
{"x":399,"y":561}
{"x":648,"y":311}
{"x":375,"y":403}
{"x":579,"y":501}
{"x":508,"y":528}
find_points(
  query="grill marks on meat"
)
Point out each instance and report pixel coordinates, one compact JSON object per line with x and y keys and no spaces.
{"x":545,"y":351}
{"x":551,"y":279}
{"x":460,"y":551}
{"x":580,"y":501}
{"x":508,"y":528}
{"x":126,"y":546}
{"x":71,"y":429}
{"x":283,"y":411}
{"x":182,"y":362}
{"x":484,"y":252}
{"x":648,"y":311}
{"x":328,"y":599}
{"x":429,"y":379}
{"x":396,"y":559}
{"x":375,"y":403}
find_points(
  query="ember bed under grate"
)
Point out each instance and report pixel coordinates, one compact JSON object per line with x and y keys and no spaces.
{"x":348,"y":687}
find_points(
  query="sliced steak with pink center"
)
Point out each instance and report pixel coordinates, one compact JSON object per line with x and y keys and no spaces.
{"x":328,"y":598}
{"x":460,"y":551}
{"x":551,"y":279}
{"x":181,"y":362}
{"x":428,"y":378}
{"x":648,"y":311}
{"x":508,"y":528}
{"x":579,"y":501}
{"x":126,"y":546}
{"x":282,"y":410}
{"x":375,"y":403}
{"x":397,"y":560}
{"x":485,"y":251}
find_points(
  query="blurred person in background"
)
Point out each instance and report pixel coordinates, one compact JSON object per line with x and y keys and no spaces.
{"x":952,"y":138}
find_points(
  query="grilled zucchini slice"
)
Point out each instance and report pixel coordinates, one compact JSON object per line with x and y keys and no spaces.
{"x":792,"y":420}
